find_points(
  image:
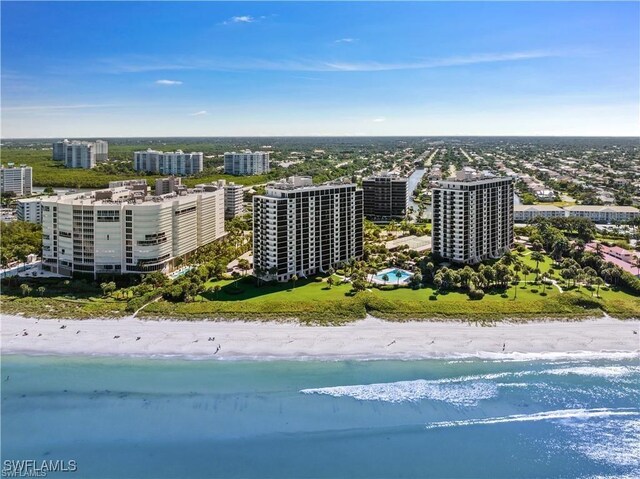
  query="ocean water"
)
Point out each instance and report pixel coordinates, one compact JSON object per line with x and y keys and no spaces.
{"x":571,"y":417}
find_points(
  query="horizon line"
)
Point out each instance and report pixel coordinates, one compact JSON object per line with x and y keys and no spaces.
{"x":2,"y":139}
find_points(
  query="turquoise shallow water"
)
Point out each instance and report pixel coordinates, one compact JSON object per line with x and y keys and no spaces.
{"x":156,"y":418}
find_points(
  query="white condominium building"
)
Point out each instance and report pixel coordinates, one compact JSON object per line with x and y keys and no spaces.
{"x":30,"y":210}
{"x":119,"y":230}
{"x":233,"y":199}
{"x":246,"y":163}
{"x":302,"y":229}
{"x":472,"y":217}
{"x":169,"y":163}
{"x":16,"y":179}
{"x":81,"y":154}
{"x":604,"y":214}
{"x":525,"y":213}
{"x":59,"y":149}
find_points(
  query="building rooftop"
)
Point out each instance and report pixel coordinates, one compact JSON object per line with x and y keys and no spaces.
{"x":468,"y":175}
{"x":119,"y":195}
{"x":305,"y":183}
{"x":386,"y":174}
{"x":536,"y":208}
{"x":245,"y":152}
{"x":177,"y":152}
{"x":604,"y":209}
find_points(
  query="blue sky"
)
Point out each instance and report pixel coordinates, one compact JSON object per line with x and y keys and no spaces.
{"x":293,"y":68}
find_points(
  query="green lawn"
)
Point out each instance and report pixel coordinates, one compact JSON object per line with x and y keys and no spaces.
{"x":312,"y":301}
{"x":544,"y":266}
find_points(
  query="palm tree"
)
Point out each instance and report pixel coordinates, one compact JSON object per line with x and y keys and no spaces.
{"x":599,"y":251}
{"x":598,"y":282}
{"x":516,"y":278}
{"x":330,"y":281}
{"x":41,"y":290}
{"x":545,"y":277}
{"x":25,"y":288}
{"x":537,"y":257}
{"x":273,"y":271}
{"x":371,"y":271}
{"x":244,"y":265}
{"x":236,"y":277}
{"x":508,"y":258}
{"x":385,"y":278}
{"x":216,"y":290}
{"x":430,"y":268}
{"x":294,"y":278}
{"x":525,"y":272}
{"x":398,"y":274}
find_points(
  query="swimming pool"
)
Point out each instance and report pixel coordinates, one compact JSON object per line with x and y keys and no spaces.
{"x":392,"y":274}
{"x":184,"y":270}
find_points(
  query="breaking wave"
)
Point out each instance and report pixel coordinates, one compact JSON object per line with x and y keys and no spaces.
{"x":413,"y":391}
{"x":540,"y":416}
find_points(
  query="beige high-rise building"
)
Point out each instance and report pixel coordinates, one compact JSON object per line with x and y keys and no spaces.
{"x":168,"y":185}
{"x":120,"y":230}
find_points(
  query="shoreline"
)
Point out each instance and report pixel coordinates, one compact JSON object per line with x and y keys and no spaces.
{"x":368,"y":339}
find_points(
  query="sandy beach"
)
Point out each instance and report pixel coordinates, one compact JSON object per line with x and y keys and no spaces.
{"x":367,"y":339}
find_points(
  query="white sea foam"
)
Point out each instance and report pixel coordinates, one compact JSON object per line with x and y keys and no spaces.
{"x":599,"y":371}
{"x":556,"y":356}
{"x":540,"y":416}
{"x":413,"y":391}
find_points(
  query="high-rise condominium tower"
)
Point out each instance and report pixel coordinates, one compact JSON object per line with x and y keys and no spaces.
{"x":472,"y":217}
{"x":246,"y":163}
{"x":170,"y":163}
{"x":16,"y":179}
{"x":386,"y":197}
{"x":302,"y":229}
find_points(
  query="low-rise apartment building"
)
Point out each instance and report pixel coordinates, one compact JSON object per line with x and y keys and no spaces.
{"x":604,"y":214}
{"x":526,"y":213}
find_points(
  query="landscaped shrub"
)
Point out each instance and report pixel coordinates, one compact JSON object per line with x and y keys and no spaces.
{"x":476,"y":294}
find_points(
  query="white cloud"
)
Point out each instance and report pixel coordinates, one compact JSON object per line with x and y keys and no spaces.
{"x":138,"y":64}
{"x":199,"y":113}
{"x":241,"y":19}
{"x":346,"y":40}
{"x":57,"y":107}
{"x":168,"y":82}
{"x":379,"y":119}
